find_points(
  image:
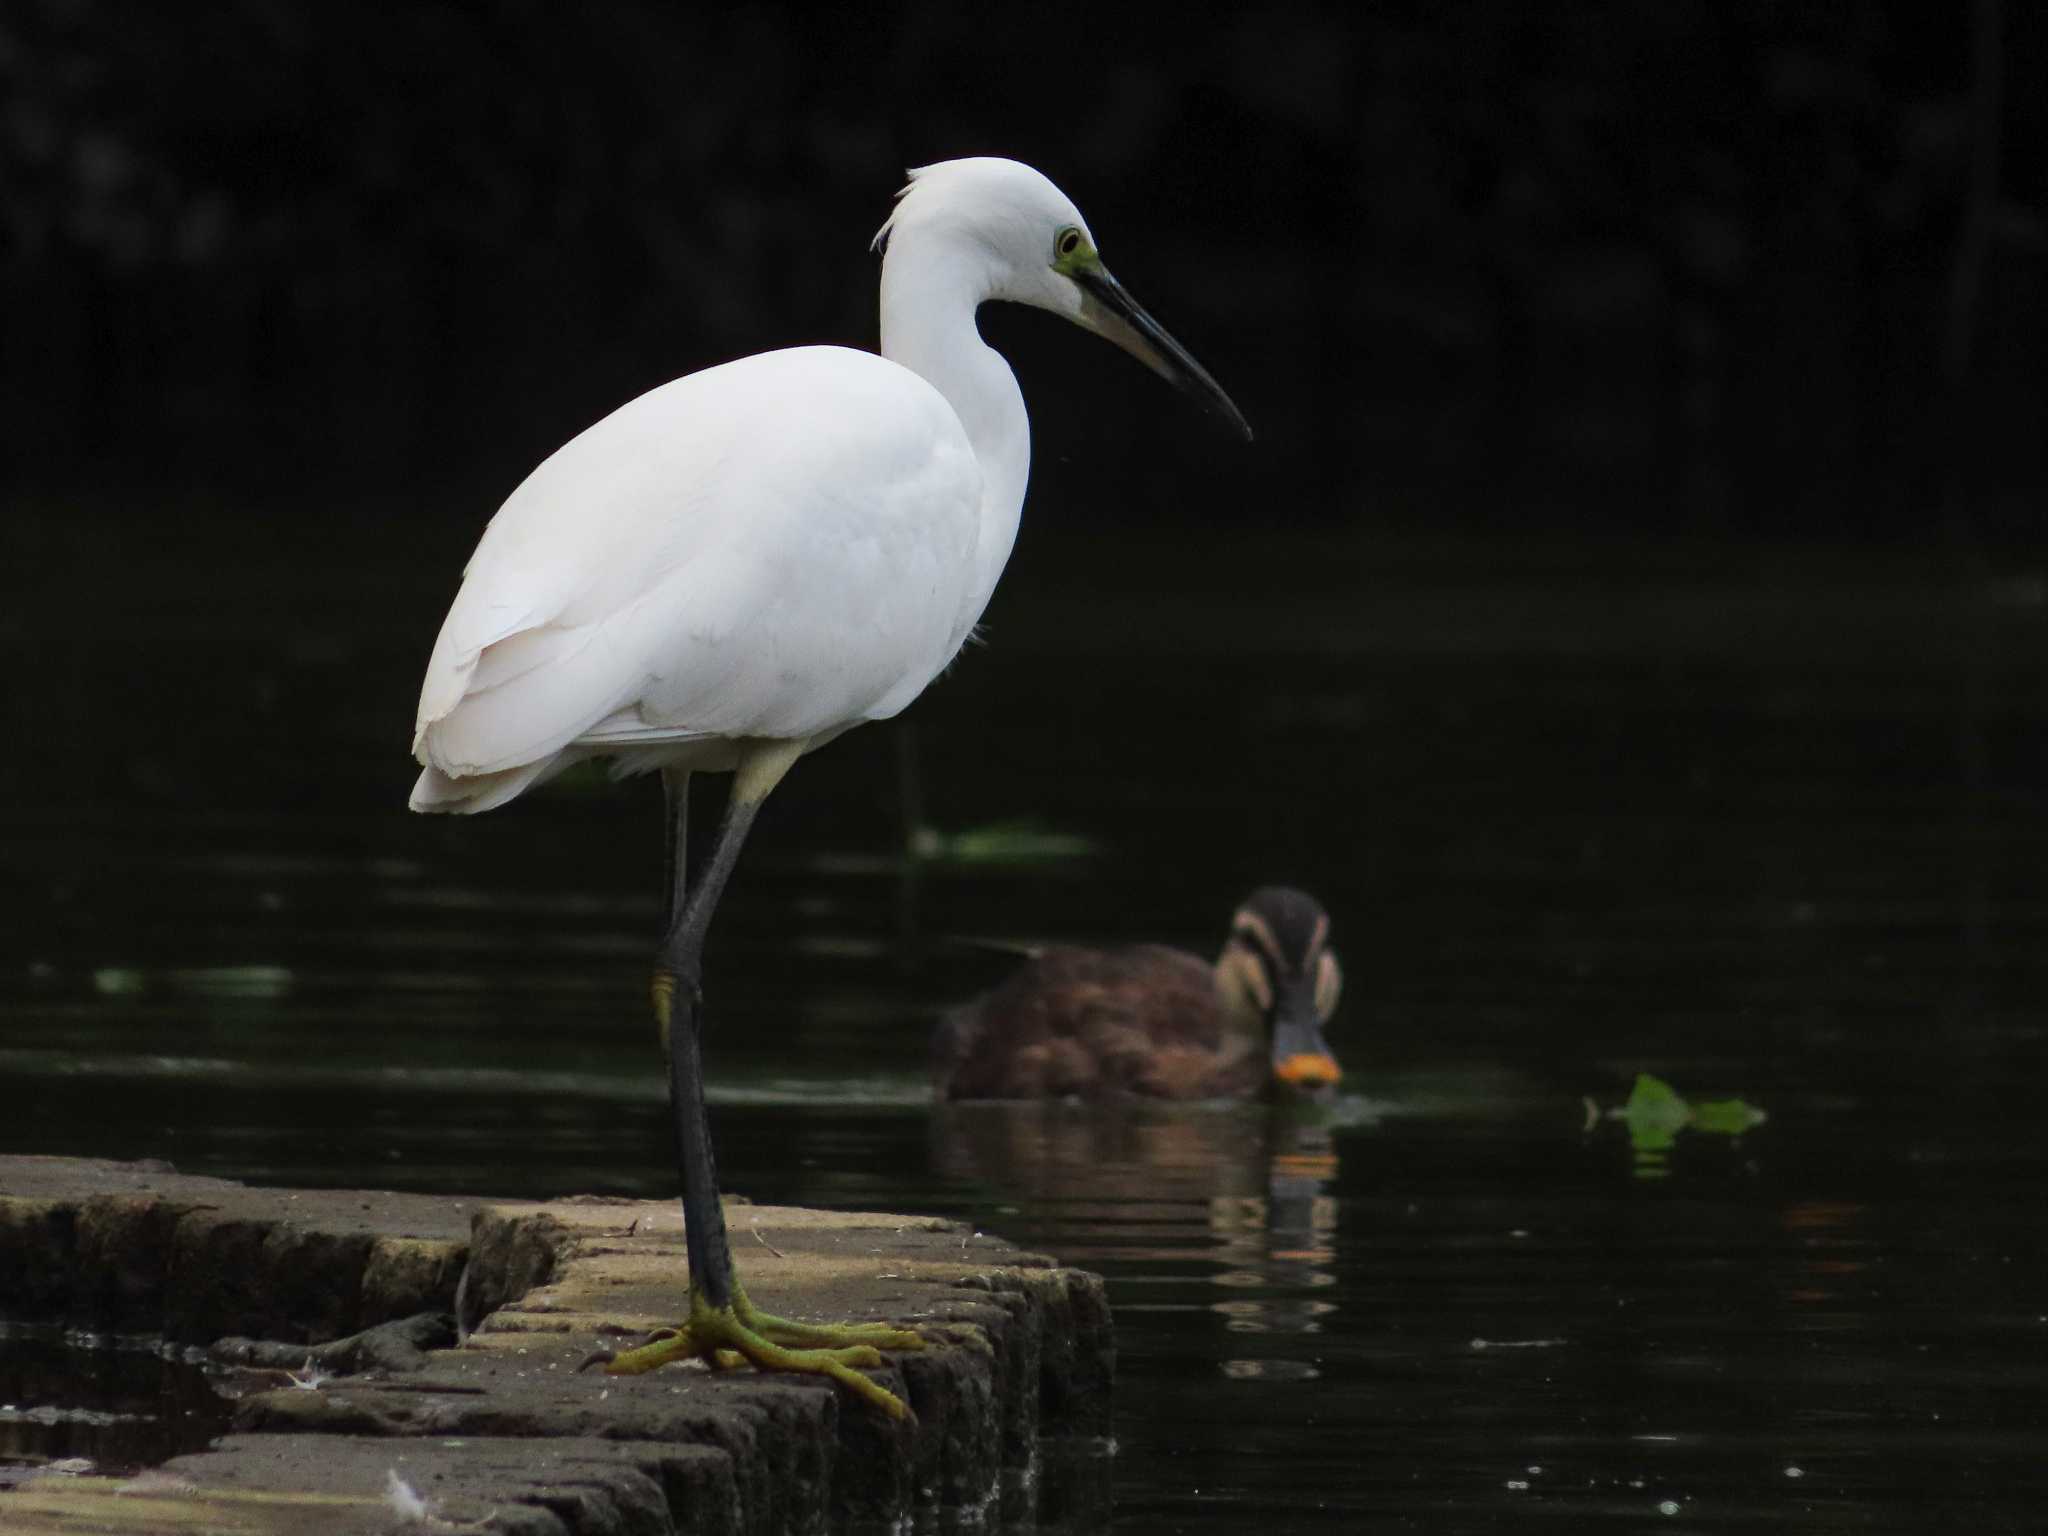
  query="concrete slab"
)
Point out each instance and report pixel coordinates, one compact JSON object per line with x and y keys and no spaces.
{"x":505,"y":1430}
{"x":139,"y":1246}
{"x":336,"y":1486}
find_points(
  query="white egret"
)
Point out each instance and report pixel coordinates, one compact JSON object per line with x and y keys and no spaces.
{"x":734,"y":568}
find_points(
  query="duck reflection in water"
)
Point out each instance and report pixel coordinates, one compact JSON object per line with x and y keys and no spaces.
{"x":1247,"y":1188}
{"x":1157,"y":1022}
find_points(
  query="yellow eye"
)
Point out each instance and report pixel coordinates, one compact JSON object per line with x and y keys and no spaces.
{"x":1067,"y":242}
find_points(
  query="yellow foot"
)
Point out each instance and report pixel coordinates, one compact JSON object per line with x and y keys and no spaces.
{"x":795,"y":1335}
{"x":727,"y":1337}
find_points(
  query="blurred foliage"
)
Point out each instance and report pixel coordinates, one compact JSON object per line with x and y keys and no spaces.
{"x":1018,"y":843}
{"x":1655,"y":1113}
{"x":1631,"y":254}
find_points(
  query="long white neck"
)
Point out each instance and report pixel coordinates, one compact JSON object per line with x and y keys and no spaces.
{"x":931,"y":288}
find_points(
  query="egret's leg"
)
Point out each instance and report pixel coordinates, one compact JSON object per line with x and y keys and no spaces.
{"x":722,"y":1322}
{"x":679,"y":1008}
{"x":675,"y":791}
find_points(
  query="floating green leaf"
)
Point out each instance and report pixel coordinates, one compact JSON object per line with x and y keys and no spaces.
{"x":1656,"y":1112}
{"x":1002,"y":842}
{"x":1726,"y":1117}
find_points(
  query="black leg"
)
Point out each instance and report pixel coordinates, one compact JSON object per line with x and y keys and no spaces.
{"x":675,"y":875}
{"x":682,"y":961}
{"x":675,"y":797}
{"x":723,"y":1322}
{"x":703,"y":1215}
{"x":679,"y":1004}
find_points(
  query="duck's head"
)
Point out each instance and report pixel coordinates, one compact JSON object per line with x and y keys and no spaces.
{"x":1277,"y":964}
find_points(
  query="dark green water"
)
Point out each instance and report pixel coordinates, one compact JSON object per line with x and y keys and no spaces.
{"x":1767,"y":826}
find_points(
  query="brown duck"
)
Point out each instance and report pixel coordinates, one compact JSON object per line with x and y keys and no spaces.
{"x":1090,"y":1023}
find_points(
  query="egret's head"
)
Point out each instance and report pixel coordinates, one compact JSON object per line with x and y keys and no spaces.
{"x":1278,"y":964}
{"x":1018,"y":237}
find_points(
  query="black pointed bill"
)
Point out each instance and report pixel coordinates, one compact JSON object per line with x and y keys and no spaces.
{"x":1110,"y":310}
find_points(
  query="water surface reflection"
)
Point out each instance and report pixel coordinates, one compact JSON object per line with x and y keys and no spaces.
{"x":1243,"y":1186}
{"x":1765,"y":826}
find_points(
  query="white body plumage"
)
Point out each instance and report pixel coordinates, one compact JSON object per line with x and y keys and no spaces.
{"x":779,"y":548}
{"x":783,"y":546}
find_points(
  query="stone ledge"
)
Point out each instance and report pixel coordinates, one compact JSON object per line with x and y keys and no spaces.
{"x":506,"y":1431}
{"x":135,"y":1246}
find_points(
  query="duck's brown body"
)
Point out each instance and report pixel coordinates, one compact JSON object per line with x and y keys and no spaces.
{"x":1083,"y":1023}
{"x":1093,"y":1023}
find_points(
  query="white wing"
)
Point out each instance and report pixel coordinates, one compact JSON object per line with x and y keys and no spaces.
{"x":779,"y":547}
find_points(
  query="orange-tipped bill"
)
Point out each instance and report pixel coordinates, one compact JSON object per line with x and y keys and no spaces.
{"x":1302,"y":1063}
{"x":1308,"y":1070}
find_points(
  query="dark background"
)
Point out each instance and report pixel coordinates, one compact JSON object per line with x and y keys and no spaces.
{"x":1706,"y":266}
{"x":1632,"y":622}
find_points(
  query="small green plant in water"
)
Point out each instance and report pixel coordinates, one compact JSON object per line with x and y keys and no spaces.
{"x":1002,"y":842}
{"x":1655,"y":1113}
